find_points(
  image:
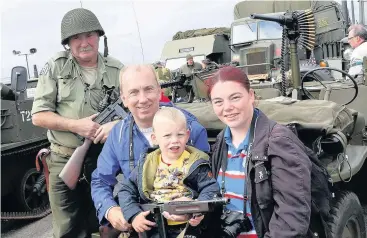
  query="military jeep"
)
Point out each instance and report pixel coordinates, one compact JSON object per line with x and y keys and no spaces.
{"x":330,"y":117}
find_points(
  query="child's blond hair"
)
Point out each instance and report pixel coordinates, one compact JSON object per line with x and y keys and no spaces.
{"x":171,"y":113}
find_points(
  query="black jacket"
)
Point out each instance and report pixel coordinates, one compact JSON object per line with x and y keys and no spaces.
{"x":281,"y":199}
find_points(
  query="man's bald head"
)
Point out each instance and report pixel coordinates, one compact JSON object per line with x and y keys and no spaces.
{"x":132,"y":72}
{"x":140,"y":92}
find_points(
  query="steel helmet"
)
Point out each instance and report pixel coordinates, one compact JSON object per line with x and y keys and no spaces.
{"x":78,"y":21}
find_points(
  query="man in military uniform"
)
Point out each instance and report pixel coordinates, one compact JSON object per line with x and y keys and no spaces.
{"x":69,"y":89}
{"x":198,"y":86}
{"x":163,"y":75}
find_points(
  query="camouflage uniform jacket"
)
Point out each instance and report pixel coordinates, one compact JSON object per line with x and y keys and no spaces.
{"x":163,"y":74}
{"x":136,"y":189}
{"x":281,"y":197}
{"x":61,"y":89}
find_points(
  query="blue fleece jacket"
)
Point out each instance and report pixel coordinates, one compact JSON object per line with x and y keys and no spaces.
{"x":114,"y":158}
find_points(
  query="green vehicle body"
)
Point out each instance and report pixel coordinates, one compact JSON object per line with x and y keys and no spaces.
{"x":20,"y":143}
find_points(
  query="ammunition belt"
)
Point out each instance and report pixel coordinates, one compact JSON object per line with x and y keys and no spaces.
{"x":62,"y":150}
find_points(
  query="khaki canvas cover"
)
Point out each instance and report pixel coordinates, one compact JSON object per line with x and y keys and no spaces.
{"x":202,"y":32}
{"x":324,"y":116}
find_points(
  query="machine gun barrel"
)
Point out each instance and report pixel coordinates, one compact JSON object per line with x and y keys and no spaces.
{"x":179,"y":80}
{"x":277,"y":18}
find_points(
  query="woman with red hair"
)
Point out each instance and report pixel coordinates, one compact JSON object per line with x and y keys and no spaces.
{"x":267,"y":199}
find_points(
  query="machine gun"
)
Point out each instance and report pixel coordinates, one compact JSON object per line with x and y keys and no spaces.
{"x":178,"y":81}
{"x":180,"y":208}
{"x":300,"y":28}
{"x":71,"y":171}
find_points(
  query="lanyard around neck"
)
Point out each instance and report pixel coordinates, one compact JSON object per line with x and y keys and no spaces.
{"x":225,"y":162}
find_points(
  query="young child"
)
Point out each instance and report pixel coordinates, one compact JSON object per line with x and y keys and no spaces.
{"x":175,"y":171}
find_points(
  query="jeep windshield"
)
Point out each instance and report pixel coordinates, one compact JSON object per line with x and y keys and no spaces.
{"x":269,"y":30}
{"x":176,"y":63}
{"x":258,"y":30}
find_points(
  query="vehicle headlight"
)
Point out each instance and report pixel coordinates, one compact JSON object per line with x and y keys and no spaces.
{"x":347,"y":53}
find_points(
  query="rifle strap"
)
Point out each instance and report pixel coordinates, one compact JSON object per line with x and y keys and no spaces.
{"x":225,"y":162}
{"x":131,"y":145}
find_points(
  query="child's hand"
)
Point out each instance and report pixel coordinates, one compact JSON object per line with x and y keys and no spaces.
{"x":140,"y":224}
{"x":196,"y":219}
{"x":173,"y":217}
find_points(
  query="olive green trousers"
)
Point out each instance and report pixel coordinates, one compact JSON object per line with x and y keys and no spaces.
{"x":73,"y":211}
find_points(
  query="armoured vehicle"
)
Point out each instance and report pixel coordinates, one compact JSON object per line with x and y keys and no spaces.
{"x":23,"y":189}
{"x":257,"y":43}
{"x":204,"y":43}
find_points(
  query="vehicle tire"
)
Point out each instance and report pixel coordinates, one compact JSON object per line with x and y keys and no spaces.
{"x":28,"y":199}
{"x":346,"y":217}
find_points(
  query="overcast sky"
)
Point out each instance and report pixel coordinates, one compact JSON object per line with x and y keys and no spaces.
{"x":29,"y":24}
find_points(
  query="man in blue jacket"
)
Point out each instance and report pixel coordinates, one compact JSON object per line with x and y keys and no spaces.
{"x":129,"y":140}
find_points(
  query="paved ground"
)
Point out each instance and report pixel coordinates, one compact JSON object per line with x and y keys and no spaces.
{"x":43,"y":228}
{"x":40,"y":228}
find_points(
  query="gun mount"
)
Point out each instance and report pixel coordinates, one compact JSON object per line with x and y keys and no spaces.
{"x":298,"y":27}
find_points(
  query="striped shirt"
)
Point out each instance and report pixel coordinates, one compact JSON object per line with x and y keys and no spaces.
{"x":235,"y":178}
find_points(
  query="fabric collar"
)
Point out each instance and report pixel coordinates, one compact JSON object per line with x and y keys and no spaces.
{"x":228,"y":137}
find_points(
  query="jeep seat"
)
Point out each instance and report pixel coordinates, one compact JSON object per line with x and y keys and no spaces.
{"x":341,"y":95}
{"x":267,"y":93}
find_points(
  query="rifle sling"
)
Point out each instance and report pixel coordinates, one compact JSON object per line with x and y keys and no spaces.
{"x":225,"y":162}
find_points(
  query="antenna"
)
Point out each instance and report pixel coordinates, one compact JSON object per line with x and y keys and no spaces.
{"x":137,"y":25}
{"x":81,"y":4}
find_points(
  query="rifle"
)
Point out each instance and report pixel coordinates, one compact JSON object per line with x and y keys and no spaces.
{"x":71,"y":171}
{"x":180,"y":208}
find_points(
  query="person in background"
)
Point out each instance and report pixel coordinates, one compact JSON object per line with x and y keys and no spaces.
{"x":163,"y":75}
{"x":357,"y":39}
{"x":198,"y":87}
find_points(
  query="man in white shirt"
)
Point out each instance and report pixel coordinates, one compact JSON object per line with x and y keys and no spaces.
{"x":357,"y":39}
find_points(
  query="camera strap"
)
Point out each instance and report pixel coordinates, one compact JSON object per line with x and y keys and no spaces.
{"x":225,"y":162}
{"x":131,"y":148}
